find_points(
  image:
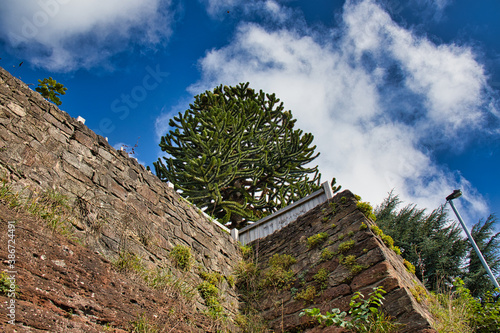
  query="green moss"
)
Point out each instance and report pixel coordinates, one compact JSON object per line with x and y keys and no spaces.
{"x":366,"y":209}
{"x":246,"y":251}
{"x":376,"y":230}
{"x":214,"y":278}
{"x":363,"y":226}
{"x":210,"y":294}
{"x":317,"y":239}
{"x":322,"y":278}
{"x":343,"y":200}
{"x":386,"y":239}
{"x":279,"y":275}
{"x":325,"y":219}
{"x":231,"y":281}
{"x":326,"y":254}
{"x":307,"y":294}
{"x":129,"y":262}
{"x":182,"y":257}
{"x":351,"y":263}
{"x":334,"y":225}
{"x":346,"y":246}
{"x":409,"y":266}
{"x":350,"y":233}
{"x":282,"y":260}
{"x":341,"y":237}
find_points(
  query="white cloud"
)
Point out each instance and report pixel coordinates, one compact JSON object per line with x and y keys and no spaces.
{"x":372,"y":98}
{"x":62,"y":35}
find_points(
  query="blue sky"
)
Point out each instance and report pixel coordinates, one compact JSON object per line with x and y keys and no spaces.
{"x":399,"y":95}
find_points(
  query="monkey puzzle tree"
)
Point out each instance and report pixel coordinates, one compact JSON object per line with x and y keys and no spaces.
{"x":235,"y":153}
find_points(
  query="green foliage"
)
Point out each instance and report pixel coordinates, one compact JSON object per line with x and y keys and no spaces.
{"x":409,"y":266}
{"x":428,"y":241}
{"x":307,"y":294}
{"x":279,"y":275}
{"x":51,"y":89}
{"x":334,"y":225}
{"x":317,"y":239}
{"x":282,"y":260}
{"x":182,"y":257}
{"x":321,"y":277}
{"x":366,"y":209}
{"x":50,"y":206}
{"x":129,"y":262}
{"x":214,"y":278}
{"x":235,"y":152}
{"x":246,"y":251}
{"x":488,"y":241}
{"x":142,"y":325}
{"x":459,"y":311}
{"x":6,"y":283}
{"x":365,"y":314}
{"x":340,"y":237}
{"x":231,"y":281}
{"x":346,"y":246}
{"x":386,"y":239}
{"x":350,"y":233}
{"x":326,"y":254}
{"x":363,"y":226}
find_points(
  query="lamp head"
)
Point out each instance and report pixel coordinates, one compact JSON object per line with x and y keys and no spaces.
{"x":454,"y":195}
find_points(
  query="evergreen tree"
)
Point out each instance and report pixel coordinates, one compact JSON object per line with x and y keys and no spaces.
{"x":51,"y":89}
{"x":235,"y":153}
{"x":430,"y":242}
{"x":475,"y":277}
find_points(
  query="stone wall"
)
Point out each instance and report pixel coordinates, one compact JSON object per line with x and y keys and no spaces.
{"x":347,"y":233}
{"x":118,"y":205}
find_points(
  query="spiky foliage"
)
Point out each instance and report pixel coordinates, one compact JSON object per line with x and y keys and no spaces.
{"x":475,"y":277}
{"x":51,"y":89}
{"x":236,"y":153}
{"x":430,"y":242}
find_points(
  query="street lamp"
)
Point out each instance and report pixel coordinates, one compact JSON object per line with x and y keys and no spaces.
{"x":454,"y":195}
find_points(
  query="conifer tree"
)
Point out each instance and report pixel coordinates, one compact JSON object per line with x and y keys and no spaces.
{"x":51,"y":89}
{"x":236,"y":154}
{"x":431,"y":242}
{"x":475,"y":277}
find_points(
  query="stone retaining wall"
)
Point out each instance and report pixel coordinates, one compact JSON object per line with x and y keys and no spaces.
{"x":346,"y":232}
{"x":119,"y":205}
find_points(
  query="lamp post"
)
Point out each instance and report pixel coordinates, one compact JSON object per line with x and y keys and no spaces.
{"x":454,"y":195}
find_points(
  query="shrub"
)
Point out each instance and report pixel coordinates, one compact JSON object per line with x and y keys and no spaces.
{"x":246,"y":251}
{"x":182,"y":257}
{"x":317,"y":239}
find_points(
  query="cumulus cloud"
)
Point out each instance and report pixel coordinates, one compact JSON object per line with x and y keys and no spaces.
{"x":63,"y":35}
{"x":377,"y":98}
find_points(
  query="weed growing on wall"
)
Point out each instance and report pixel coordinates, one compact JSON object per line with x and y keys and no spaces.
{"x":365,"y":314}
{"x":317,"y":239}
{"x":182,"y":257}
{"x":386,"y":239}
{"x":280,"y":276}
{"x":322,"y":278}
{"x":49,"y":206}
{"x":307,"y":294}
{"x":346,"y":246}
